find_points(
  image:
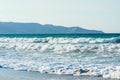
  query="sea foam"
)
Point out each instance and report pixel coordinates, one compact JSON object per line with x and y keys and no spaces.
{"x":60,"y":45}
{"x":97,"y":57}
{"x":61,"y":40}
{"x":96,"y":70}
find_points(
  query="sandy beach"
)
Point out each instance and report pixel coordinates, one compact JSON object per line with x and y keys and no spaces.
{"x":9,"y":74}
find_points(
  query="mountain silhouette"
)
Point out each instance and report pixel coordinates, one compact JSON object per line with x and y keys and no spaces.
{"x":36,"y":28}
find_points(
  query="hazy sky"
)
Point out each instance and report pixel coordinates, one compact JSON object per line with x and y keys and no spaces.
{"x":91,"y":14}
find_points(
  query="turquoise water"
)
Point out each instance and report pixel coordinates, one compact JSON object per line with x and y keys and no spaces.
{"x":94,"y":55}
{"x":107,"y":35}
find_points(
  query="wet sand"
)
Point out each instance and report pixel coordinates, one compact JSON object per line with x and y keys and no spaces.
{"x":10,"y":74}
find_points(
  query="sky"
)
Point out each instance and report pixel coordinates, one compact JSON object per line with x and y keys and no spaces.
{"x":89,"y":14}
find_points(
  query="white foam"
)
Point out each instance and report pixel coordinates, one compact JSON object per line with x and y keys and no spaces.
{"x":78,"y":56}
{"x":97,"y":70}
{"x":60,"y":40}
{"x":60,"y":48}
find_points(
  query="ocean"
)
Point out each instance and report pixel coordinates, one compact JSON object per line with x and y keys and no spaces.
{"x":95,"y":55}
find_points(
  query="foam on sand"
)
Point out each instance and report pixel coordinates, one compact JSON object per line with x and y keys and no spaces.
{"x":7,"y":74}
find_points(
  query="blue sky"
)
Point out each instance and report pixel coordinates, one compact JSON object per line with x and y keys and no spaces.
{"x":90,"y":14}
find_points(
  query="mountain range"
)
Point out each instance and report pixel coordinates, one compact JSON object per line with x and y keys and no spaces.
{"x":36,"y":28}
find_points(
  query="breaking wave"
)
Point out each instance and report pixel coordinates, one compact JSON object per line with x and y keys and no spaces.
{"x":61,"y":40}
{"x":97,"y":57}
{"x":60,"y":45}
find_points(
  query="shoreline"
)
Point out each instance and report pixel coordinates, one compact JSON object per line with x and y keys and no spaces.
{"x":10,"y":74}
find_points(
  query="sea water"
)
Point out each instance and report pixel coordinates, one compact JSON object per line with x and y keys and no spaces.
{"x":95,"y":55}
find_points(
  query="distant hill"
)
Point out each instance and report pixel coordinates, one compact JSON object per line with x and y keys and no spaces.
{"x":35,"y":28}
